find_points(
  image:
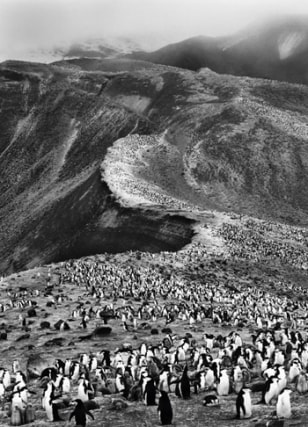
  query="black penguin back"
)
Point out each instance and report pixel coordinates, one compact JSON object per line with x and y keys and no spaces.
{"x":150,"y":391}
{"x":165,"y":409}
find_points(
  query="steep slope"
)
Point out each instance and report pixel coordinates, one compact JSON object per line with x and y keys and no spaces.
{"x":177,"y":143}
{"x":277,"y":50}
{"x":241,"y":146}
{"x":56,"y":124}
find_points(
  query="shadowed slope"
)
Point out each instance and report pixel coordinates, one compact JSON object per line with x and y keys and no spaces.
{"x":277,"y":50}
{"x":59,"y":123}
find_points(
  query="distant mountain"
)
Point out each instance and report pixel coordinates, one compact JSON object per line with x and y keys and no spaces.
{"x":102,"y":47}
{"x":111,"y":46}
{"x":276,"y":50}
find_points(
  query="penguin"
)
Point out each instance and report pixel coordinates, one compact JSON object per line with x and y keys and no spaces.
{"x":119,"y":383}
{"x":6,"y":380}
{"x":302,"y":383}
{"x":84,"y":359}
{"x":164,"y":409}
{"x":65,"y":385}
{"x":150,"y":393}
{"x":93,"y":363}
{"x":2,"y":390}
{"x":180,"y":355}
{"x":75,"y":368}
{"x":209,"y":378}
{"x":48,"y":393}
{"x":209,"y":341}
{"x":80,"y":413}
{"x":210,"y":400}
{"x":183,"y":387}
{"x":238,"y":380}
{"x":85,"y":390}
{"x":20,"y":393}
{"x":223,"y":386}
{"x":144,"y":378}
{"x":51,"y":408}
{"x":60,"y":366}
{"x":304,"y":358}
{"x":15,"y":366}
{"x":216,"y":366}
{"x":295,"y":370}
{"x":58,"y":381}
{"x":282,"y":378}
{"x":199,"y":383}
{"x":106,"y":361}
{"x":128,"y":382}
{"x":279,"y":358}
{"x":20,"y":377}
{"x":163,"y":382}
{"x":18,"y":403}
{"x":283,"y":406}
{"x":49,"y":373}
{"x":243,"y":404}
{"x":67,"y":367}
{"x":270,"y":390}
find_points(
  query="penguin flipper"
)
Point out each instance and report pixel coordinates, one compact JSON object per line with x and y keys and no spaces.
{"x":91,"y":415}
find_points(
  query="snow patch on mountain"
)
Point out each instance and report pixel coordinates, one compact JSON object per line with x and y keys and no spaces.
{"x":288,"y":43}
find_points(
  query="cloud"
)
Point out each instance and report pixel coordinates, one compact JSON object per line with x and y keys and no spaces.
{"x":37,"y":23}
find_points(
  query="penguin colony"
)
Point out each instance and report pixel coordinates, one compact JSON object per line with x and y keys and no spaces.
{"x":261,"y":360}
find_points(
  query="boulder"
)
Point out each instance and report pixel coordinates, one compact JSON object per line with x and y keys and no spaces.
{"x":32,"y":312}
{"x":102,"y":331}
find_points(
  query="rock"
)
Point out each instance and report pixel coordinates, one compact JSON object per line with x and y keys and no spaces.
{"x":91,"y":404}
{"x":23,"y":337}
{"x":271,"y":423}
{"x":166,"y":331}
{"x":31,"y":312}
{"x":45,"y":325}
{"x":3,"y":334}
{"x":36,"y":364}
{"x":102,"y":331}
{"x":118,"y":404}
{"x":55,"y":342}
{"x":145,"y":326}
{"x":50,"y":304}
{"x":103,"y":390}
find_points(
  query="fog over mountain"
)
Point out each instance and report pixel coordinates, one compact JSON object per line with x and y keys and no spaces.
{"x":276,"y":49}
{"x":44,"y":30}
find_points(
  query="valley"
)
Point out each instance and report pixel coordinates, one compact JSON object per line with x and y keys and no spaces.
{"x":152,"y":212}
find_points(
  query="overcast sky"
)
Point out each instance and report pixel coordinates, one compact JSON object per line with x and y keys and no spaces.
{"x":36,"y":23}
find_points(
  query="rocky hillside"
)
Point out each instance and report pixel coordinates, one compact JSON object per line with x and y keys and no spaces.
{"x":208,"y":141}
{"x":56,"y":124}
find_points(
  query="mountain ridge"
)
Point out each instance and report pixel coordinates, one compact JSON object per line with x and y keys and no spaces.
{"x":275,"y":50}
{"x":60,"y":120}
